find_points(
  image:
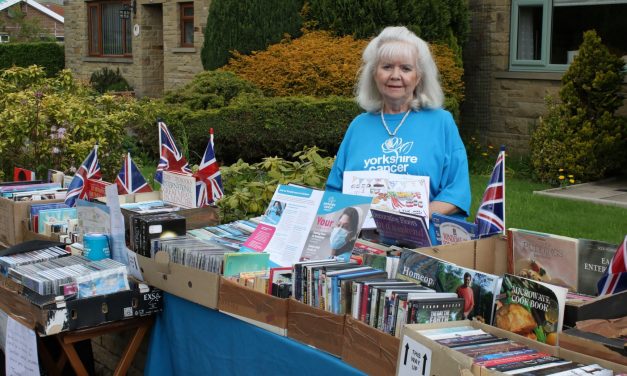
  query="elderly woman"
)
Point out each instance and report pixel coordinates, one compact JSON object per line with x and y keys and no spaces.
{"x":404,"y":129}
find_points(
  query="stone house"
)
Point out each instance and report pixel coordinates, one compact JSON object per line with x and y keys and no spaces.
{"x":47,"y":16}
{"x":516,"y":55}
{"x":155,"y":43}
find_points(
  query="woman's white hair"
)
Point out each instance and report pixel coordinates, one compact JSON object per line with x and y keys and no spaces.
{"x":394,"y":41}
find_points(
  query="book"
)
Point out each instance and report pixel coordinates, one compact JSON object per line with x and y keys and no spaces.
{"x":403,"y":230}
{"x":530,"y":308}
{"x":449,"y":229}
{"x":478,"y":289}
{"x":277,"y":278}
{"x":312,"y":225}
{"x":389,"y":191}
{"x":55,"y":216}
{"x":594,"y":257}
{"x":242,"y":262}
{"x":153,"y":206}
{"x":438,"y":310}
{"x":544,"y":257}
{"x":36,"y":208}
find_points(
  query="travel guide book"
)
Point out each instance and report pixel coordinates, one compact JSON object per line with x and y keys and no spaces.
{"x":399,"y":229}
{"x":307,"y":224}
{"x":530,"y":308}
{"x":449,"y":229}
{"x":544,"y":257}
{"x":476,"y":288}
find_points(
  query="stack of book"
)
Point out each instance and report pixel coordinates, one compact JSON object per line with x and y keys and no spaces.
{"x":54,"y":218}
{"x":505,"y":355}
{"x":32,"y":191}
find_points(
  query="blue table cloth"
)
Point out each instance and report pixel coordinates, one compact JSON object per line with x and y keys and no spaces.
{"x":189,"y":339}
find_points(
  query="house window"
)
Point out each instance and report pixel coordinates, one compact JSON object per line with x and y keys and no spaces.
{"x":187,"y":24}
{"x":4,"y":38}
{"x":109,"y":35}
{"x":546,"y":34}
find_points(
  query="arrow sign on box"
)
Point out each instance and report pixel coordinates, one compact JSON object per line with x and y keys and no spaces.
{"x":416,"y":358}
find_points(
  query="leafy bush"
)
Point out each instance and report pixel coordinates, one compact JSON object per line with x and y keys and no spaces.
{"x":249,"y":187}
{"x":54,"y":122}
{"x":251,"y":127}
{"x":433,"y":20}
{"x":210,"y":89}
{"x":106,"y":79}
{"x":319,"y":64}
{"x":246,"y":26}
{"x":49,"y":56}
{"x":582,"y":134}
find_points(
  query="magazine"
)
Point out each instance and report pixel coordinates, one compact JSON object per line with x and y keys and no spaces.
{"x":306,"y":224}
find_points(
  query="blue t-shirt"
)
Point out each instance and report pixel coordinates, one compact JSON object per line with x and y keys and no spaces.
{"x":427,"y":144}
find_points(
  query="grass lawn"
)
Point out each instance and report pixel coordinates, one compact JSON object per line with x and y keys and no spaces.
{"x":577,"y":219}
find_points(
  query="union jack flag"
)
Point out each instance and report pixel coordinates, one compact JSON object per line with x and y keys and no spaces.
{"x":90,"y":169}
{"x":208,"y":179}
{"x":130,"y":179}
{"x":615,"y":278}
{"x":490,"y":218}
{"x":170,"y":158}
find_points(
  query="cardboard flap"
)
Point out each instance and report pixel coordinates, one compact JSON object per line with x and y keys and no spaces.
{"x":162,"y":260}
{"x":195,"y":285}
{"x":593,"y":351}
{"x":316,"y":327}
{"x":246,"y":302}
{"x":369,"y":349}
{"x":462,"y":253}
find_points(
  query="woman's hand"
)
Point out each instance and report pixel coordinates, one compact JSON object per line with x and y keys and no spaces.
{"x":442,"y":208}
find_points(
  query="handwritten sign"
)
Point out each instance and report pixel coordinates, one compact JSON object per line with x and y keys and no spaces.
{"x":179,"y":190}
{"x":415,"y":358}
{"x":20,"y":347}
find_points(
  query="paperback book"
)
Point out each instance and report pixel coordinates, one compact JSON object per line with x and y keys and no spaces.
{"x":403,"y":230}
{"x":530,"y":308}
{"x":476,"y":288}
{"x":545,"y":257}
{"x":307,"y":224}
{"x":449,"y":229}
{"x":594,"y":257}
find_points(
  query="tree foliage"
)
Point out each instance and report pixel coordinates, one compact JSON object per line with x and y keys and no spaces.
{"x":246,"y":26}
{"x":582,"y":134}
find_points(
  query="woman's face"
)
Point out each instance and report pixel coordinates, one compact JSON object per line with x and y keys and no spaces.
{"x":344,"y":222}
{"x":396,"y":78}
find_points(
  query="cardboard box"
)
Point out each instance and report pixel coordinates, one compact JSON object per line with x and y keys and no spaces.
{"x":369,"y":349}
{"x":594,"y":349}
{"x":258,"y":308}
{"x":487,"y":255}
{"x":418,"y":351}
{"x":315,"y":327}
{"x":195,"y":285}
{"x":603,"y":307}
{"x":12,"y":213}
{"x":50,"y":317}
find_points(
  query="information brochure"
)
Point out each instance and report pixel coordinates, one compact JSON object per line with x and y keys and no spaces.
{"x":308,"y":224}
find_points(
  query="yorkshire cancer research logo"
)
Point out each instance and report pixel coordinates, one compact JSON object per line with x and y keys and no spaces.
{"x":395,"y":145}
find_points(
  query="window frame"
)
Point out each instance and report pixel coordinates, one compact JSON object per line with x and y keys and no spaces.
{"x":183,"y":19}
{"x":98,"y":51}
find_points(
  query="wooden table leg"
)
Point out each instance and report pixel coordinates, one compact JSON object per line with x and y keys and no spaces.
{"x":131,"y":349}
{"x":72,"y":355}
{"x":53,"y":368}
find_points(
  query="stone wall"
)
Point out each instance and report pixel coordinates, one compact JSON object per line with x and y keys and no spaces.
{"x":158,"y":63}
{"x":501,"y":107}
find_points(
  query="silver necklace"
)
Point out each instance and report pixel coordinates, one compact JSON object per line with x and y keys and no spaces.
{"x":393,"y":134}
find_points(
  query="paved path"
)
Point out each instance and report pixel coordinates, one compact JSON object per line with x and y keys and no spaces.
{"x":611,"y":191}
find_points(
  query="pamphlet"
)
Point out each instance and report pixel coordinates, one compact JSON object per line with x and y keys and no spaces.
{"x":307,"y":224}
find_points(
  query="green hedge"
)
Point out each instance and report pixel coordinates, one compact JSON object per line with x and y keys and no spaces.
{"x":50,"y":55}
{"x":252,"y":128}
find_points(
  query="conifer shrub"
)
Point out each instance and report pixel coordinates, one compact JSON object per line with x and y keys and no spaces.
{"x":319,"y":64}
{"x":581,"y":133}
{"x":246,"y":26}
{"x":433,"y":20}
